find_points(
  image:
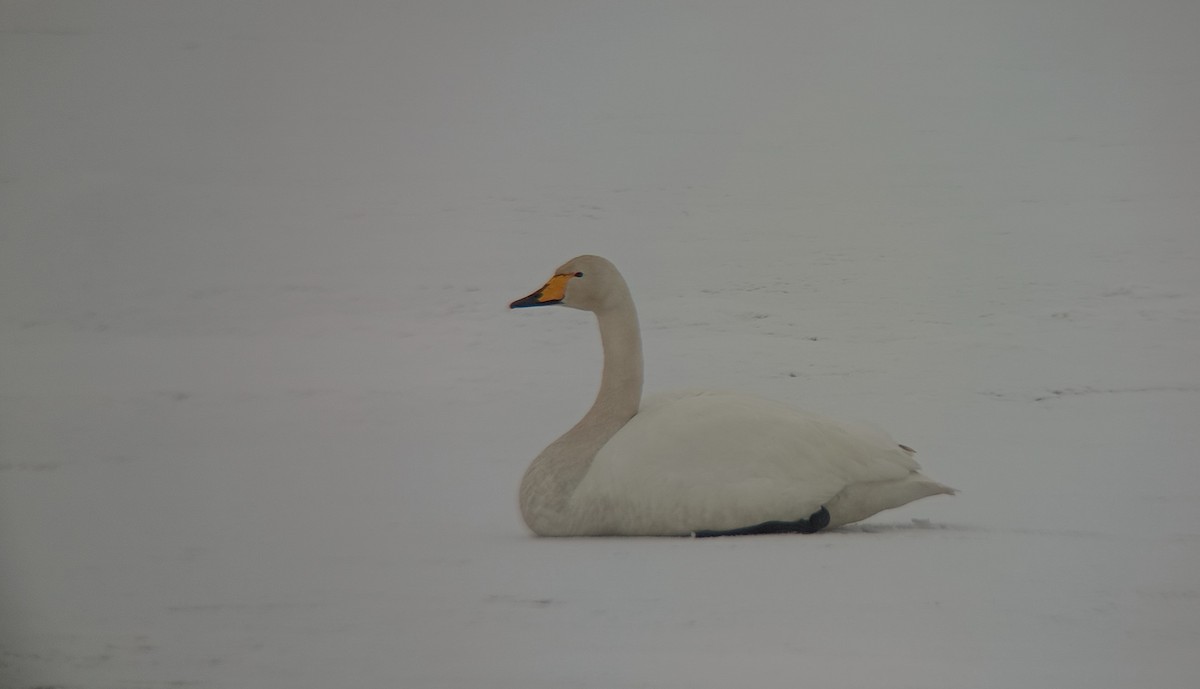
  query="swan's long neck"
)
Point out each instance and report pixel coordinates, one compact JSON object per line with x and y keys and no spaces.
{"x":621,"y":382}
{"x":552,"y":478}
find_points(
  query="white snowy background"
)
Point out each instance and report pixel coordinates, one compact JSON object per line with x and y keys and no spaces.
{"x":263,"y":410}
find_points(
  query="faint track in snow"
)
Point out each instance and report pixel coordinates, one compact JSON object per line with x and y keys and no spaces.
{"x":1060,"y":393}
{"x":1087,"y":390}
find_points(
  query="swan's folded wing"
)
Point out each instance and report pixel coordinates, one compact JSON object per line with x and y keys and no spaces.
{"x":737,"y":457}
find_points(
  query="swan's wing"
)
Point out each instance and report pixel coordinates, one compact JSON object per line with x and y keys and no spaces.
{"x":729,"y":453}
{"x":736,"y":433}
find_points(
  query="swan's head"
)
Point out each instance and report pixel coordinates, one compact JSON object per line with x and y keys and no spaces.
{"x":590,"y":283}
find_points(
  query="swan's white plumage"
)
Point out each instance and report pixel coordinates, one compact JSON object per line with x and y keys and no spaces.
{"x":698,"y":460}
{"x":722,"y":460}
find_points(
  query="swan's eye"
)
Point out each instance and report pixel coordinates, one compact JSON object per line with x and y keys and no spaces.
{"x":578,"y":275}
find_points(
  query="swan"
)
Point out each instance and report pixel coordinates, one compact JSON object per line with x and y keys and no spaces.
{"x":698,"y":462}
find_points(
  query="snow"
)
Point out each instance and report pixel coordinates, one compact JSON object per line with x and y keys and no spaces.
{"x":263,"y":411}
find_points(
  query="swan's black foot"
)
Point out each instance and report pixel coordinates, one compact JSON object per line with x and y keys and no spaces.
{"x":816,"y":521}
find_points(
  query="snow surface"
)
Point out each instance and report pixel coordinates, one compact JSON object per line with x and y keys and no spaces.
{"x":263,"y":411}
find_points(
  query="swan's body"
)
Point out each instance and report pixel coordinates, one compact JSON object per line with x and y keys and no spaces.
{"x":692,"y":461}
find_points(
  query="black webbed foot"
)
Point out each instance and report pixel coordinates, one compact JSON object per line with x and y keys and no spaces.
{"x":816,"y":521}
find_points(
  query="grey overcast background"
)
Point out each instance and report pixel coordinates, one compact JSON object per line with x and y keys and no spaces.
{"x":263,"y":411}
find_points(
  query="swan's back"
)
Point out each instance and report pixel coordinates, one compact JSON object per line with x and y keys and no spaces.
{"x":722,"y":460}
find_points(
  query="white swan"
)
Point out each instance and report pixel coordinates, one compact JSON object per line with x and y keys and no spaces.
{"x":699,"y":463}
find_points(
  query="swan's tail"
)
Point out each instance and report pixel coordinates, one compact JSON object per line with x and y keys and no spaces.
{"x":859,"y":501}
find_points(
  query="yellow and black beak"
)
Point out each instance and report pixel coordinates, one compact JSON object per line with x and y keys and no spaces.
{"x":550,"y":293}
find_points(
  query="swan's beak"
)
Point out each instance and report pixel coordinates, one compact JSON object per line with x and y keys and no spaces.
{"x":550,"y":293}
